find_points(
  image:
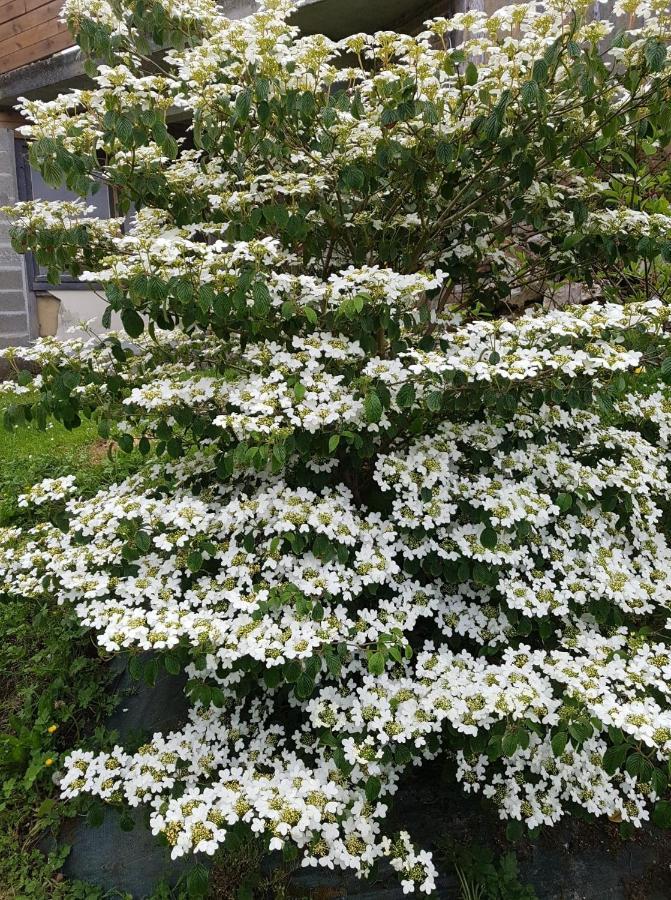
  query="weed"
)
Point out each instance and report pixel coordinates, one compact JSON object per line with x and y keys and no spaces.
{"x":484,"y":877}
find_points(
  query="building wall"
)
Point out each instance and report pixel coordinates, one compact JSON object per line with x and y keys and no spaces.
{"x":17,"y":313}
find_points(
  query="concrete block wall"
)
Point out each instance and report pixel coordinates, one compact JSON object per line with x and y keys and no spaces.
{"x":17,"y":319}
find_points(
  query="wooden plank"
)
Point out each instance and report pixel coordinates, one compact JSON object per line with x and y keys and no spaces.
{"x":12,"y":9}
{"x":34,"y":52}
{"x":35,"y":35}
{"x":47,"y":12}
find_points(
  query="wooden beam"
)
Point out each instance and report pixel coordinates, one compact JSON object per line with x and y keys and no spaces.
{"x":10,"y":119}
{"x":12,"y":9}
{"x":46,"y":47}
{"x":35,"y":35}
{"x":47,"y":12}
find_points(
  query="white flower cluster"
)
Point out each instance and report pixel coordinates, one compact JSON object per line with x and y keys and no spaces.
{"x":255,"y":777}
{"x":49,"y":490}
{"x":309,"y":384}
{"x":576,"y":776}
{"x":383,"y":522}
{"x":64,"y":215}
{"x":257,"y":584}
{"x":220,"y":68}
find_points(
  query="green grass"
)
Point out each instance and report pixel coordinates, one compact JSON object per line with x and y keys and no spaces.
{"x":28,"y":454}
{"x":28,"y":441}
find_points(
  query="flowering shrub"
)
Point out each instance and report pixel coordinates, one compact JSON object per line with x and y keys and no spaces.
{"x":386,"y":513}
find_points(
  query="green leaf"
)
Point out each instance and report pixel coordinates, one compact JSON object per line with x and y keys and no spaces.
{"x":52,"y":173}
{"x":125,"y":442}
{"x":174,"y":447}
{"x":262,"y":301}
{"x":559,"y":742}
{"x":580,"y":731}
{"x":659,"y":782}
{"x":172,"y":663}
{"x":352,"y":177}
{"x":292,"y":670}
{"x":510,"y":742}
{"x":491,"y":127}
{"x":243,"y":104}
{"x":272,"y":677}
{"x":126,"y":822}
{"x":376,"y":663}
{"x":444,"y":153}
{"x":525,"y":172}
{"x":197,"y":882}
{"x":135,"y":668}
{"x":639,"y":766}
{"x":564,"y":502}
{"x":159,"y":132}
{"x":150,"y":671}
{"x":333,"y":662}
{"x":489,"y":538}
{"x":334,"y":440}
{"x":540,"y":71}
{"x":373,"y":788}
{"x":580,"y":213}
{"x":124,"y":130}
{"x":434,"y":401}
{"x":143,"y":541}
{"x":655,"y":54}
{"x":206,"y":297}
{"x":530,"y":93}
{"x":661,"y":815}
{"x":373,"y":407}
{"x":95,"y":816}
{"x":471,"y":74}
{"x":132,"y":321}
{"x":46,"y":807}
{"x":304,"y":686}
{"x":406,"y":395}
{"x":170,"y":147}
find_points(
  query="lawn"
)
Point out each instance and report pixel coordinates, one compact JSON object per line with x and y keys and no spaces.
{"x":28,"y":454}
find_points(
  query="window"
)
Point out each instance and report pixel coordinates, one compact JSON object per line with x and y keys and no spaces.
{"x":32,"y":187}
